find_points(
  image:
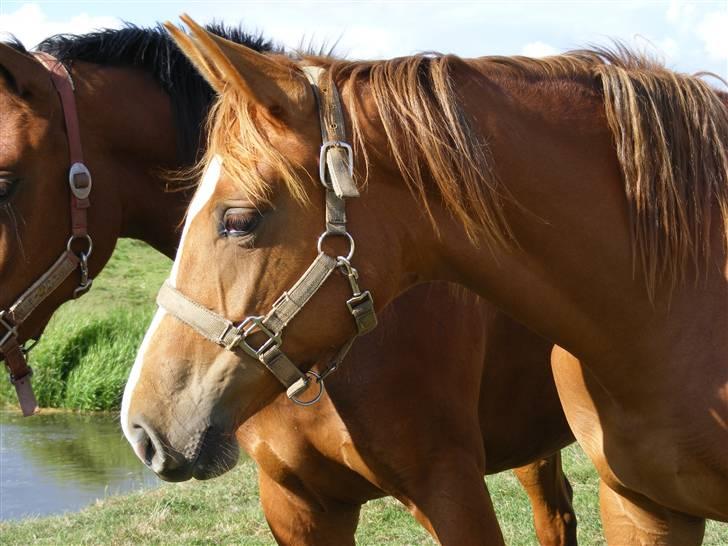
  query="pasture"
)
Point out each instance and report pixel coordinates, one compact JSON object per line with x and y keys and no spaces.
{"x":82,"y":364}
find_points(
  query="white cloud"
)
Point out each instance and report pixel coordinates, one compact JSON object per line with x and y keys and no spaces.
{"x":668,"y":48}
{"x":712,"y":32}
{"x":538,"y":49}
{"x":678,"y":11}
{"x":31,"y":25}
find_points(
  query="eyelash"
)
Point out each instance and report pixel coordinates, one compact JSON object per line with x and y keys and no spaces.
{"x":239,"y":222}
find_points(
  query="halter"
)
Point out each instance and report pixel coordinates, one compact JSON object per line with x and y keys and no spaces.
{"x":336,"y":165}
{"x":79,"y":180}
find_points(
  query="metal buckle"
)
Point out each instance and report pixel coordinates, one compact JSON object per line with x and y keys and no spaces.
{"x":302,"y":385}
{"x":361,"y":307}
{"x":322,"y":158}
{"x":351,"y":274}
{"x":79,"y":171}
{"x":86,"y":282}
{"x":248,"y":327}
{"x":12,"y":330}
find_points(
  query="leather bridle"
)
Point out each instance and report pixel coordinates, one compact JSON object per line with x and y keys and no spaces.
{"x":79,"y":179}
{"x":336,"y":174}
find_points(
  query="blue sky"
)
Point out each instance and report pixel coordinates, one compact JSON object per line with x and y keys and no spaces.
{"x":688,"y":36}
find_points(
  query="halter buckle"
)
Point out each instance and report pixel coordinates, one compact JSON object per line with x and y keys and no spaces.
{"x":11,"y":329}
{"x":248,"y":327}
{"x":325,"y":147}
{"x":79,"y":179}
{"x":361,"y":307}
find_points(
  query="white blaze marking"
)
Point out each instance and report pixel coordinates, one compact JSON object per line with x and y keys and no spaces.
{"x":203,"y":194}
{"x":136,"y":371}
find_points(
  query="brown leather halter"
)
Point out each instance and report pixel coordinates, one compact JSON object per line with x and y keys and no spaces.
{"x":79,"y":179}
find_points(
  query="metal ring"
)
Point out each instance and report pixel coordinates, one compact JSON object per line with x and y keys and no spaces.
{"x":89,"y":242}
{"x":318,"y":396}
{"x":346,"y":234}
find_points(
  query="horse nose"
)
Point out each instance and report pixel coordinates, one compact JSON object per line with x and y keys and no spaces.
{"x":150,"y":449}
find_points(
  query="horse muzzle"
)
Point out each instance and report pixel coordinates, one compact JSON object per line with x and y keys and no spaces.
{"x":208,"y":452}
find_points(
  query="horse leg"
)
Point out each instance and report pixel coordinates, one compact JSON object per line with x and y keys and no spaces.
{"x":295,"y":521}
{"x":638,"y":521}
{"x":550,"y":495}
{"x":452,"y":502}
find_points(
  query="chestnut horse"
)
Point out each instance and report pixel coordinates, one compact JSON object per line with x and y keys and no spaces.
{"x":369,"y":437}
{"x":584,"y":193}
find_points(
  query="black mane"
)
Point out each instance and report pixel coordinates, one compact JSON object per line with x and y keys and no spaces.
{"x":152,"y":50}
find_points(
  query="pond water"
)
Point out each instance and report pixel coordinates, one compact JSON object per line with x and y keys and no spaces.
{"x":58,"y":462}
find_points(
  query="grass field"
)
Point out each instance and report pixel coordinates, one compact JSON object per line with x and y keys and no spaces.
{"x":226,"y":511}
{"x":82,"y":363}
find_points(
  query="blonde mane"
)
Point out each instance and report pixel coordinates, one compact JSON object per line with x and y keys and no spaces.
{"x":670,"y":133}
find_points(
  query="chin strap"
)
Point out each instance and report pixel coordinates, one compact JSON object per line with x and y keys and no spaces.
{"x":79,"y":180}
{"x":336,"y":173}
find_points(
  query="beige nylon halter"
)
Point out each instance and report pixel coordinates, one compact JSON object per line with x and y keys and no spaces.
{"x":336,"y":173}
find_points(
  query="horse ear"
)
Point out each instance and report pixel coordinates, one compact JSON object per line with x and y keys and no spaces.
{"x":197,"y":57}
{"x":25,"y":76}
{"x":272,"y":83}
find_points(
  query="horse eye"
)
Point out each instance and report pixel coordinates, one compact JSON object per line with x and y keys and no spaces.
{"x":6,"y":185}
{"x":239,"y":222}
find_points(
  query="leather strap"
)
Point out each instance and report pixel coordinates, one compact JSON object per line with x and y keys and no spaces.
{"x":293,"y":300}
{"x":66,"y":264}
{"x":20,"y":374}
{"x":205,"y":322}
{"x":79,"y":176}
{"x":338,"y":156}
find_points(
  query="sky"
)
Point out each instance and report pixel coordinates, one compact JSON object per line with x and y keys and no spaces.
{"x":689,"y":36}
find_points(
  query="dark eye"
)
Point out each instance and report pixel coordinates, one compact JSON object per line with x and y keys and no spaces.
{"x":6,"y":187}
{"x":239,"y":222}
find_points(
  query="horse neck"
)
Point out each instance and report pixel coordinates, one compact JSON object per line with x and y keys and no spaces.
{"x":128,"y":135}
{"x":572,"y":277}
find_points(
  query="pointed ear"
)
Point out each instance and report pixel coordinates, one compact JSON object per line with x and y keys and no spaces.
{"x":197,"y":57}
{"x":24,"y":75}
{"x":272,"y":82}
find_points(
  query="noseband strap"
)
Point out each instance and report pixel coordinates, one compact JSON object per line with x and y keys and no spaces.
{"x":79,"y":179}
{"x":336,"y":173}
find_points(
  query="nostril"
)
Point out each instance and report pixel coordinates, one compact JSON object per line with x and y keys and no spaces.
{"x":145,"y":446}
{"x":155,"y":453}
{"x":149,"y":450}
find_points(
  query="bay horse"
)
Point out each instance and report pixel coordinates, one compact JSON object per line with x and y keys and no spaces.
{"x":141,"y":106}
{"x":585,"y":194}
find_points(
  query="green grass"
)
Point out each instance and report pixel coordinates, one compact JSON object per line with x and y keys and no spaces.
{"x":226,"y":511}
{"x":87,"y":350}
